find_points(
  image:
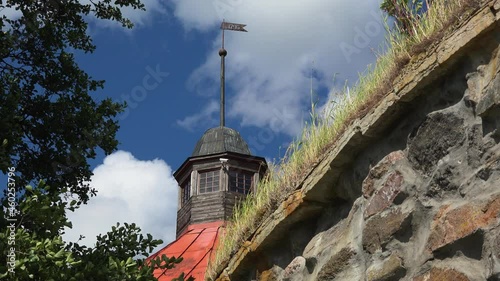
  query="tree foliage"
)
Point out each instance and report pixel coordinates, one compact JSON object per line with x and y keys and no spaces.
{"x":36,"y":251}
{"x":49,"y":122}
{"x":50,"y":126}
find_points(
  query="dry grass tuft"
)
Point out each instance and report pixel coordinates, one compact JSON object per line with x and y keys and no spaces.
{"x":320,"y":134}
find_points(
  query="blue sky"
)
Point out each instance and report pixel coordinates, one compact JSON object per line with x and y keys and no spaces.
{"x":268,"y":89}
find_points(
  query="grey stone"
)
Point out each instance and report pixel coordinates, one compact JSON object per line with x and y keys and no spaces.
{"x":295,"y":270}
{"x":379,"y":229}
{"x":336,"y":264}
{"x":430,"y":143}
{"x":390,"y":269}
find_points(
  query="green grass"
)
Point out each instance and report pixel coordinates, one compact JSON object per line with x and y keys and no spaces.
{"x":320,"y":134}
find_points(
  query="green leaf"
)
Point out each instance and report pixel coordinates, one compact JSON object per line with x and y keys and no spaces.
{"x":59,"y":253}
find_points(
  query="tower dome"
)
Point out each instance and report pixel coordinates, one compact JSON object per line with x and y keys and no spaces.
{"x":220,"y":140}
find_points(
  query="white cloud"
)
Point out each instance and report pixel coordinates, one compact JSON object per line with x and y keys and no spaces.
{"x":195,"y":14}
{"x":132,"y":191}
{"x":205,"y":118}
{"x":268,"y":67}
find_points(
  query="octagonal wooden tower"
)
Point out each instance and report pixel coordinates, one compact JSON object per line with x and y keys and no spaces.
{"x":220,"y":172}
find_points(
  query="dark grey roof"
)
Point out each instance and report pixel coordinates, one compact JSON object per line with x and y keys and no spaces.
{"x":219,"y":140}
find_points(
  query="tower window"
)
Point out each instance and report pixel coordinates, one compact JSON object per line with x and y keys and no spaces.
{"x":240,"y":181}
{"x":209,"y":181}
{"x":186,"y":192}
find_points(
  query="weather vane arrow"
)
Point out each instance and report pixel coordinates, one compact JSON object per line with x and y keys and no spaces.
{"x":233,"y":26}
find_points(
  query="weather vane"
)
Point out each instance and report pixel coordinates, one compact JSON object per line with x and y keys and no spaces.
{"x":223,"y":53}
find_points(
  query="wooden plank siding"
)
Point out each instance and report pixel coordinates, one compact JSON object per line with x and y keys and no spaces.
{"x":208,"y":207}
{"x":183,"y":218}
{"x":230,"y":200}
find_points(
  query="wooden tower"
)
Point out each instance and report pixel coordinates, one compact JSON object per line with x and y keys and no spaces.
{"x":220,"y":172}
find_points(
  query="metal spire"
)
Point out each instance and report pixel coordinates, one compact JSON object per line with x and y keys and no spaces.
{"x":223,"y":53}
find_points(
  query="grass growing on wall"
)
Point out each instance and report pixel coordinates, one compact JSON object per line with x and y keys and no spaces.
{"x":320,"y":134}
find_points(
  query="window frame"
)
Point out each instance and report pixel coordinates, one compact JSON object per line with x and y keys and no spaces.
{"x":185,"y":192}
{"x":203,"y":183}
{"x":240,"y":177}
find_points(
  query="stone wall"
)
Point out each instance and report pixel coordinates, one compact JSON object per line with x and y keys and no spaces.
{"x":412,"y":190}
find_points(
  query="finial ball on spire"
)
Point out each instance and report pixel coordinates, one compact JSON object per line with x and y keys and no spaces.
{"x":222,"y":52}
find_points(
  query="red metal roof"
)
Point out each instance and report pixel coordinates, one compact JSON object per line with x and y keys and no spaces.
{"x":196,"y":246}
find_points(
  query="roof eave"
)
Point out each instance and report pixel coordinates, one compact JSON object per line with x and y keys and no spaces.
{"x":193,"y":159}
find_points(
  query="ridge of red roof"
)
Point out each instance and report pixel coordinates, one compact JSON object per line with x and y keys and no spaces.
{"x":195,"y":245}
